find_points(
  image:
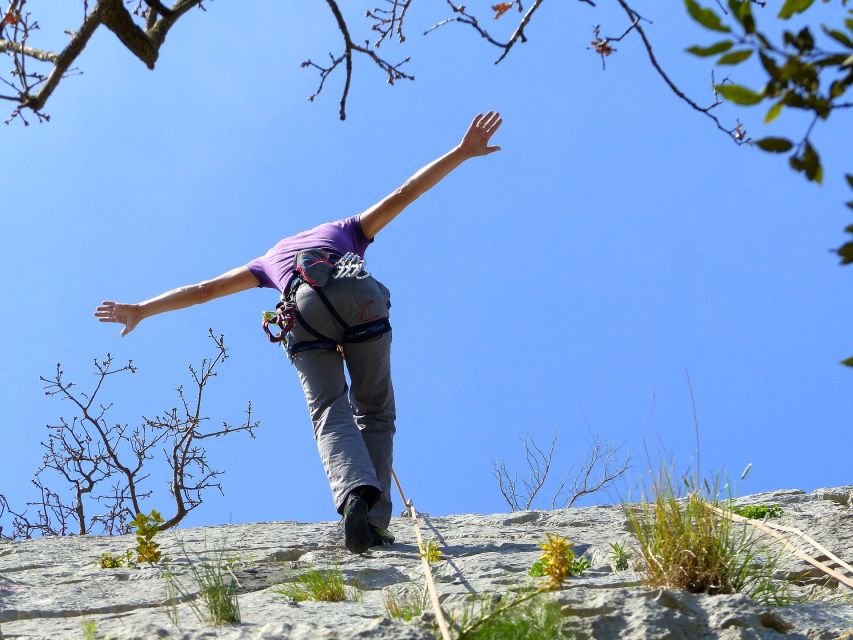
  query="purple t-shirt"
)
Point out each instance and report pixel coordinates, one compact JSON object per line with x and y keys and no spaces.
{"x":274,"y":269}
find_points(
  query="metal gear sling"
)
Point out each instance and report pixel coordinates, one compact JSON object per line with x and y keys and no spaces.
{"x":315,"y":267}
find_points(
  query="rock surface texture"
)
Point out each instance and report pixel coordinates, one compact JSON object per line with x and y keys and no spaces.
{"x":50,"y":588}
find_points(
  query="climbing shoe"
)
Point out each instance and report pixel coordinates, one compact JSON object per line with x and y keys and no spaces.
{"x":358,"y":536}
{"x":381,"y":537}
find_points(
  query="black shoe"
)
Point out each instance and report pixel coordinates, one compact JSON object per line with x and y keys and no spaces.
{"x":381,"y":537}
{"x":358,"y":536}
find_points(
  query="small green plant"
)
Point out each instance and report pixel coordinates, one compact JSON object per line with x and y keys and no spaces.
{"x":557,"y":562}
{"x":90,"y":631}
{"x":404,"y":604}
{"x":758,"y":511}
{"x":619,"y":556}
{"x":323,"y":585}
{"x":686,"y":545}
{"x":530,"y":619}
{"x":430,"y":551}
{"x":215,"y":598}
{"x":109,"y":561}
{"x":147,"y":526}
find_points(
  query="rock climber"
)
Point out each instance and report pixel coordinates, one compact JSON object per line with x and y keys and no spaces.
{"x":341,"y":322}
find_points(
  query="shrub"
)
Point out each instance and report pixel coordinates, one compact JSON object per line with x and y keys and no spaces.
{"x":685,"y":545}
{"x":147,"y":526}
{"x":557,"y":562}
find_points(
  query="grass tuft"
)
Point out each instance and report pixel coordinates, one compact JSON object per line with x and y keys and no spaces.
{"x":685,"y":545}
{"x":322,"y":585}
{"x":215,"y":601}
{"x":404,"y":604}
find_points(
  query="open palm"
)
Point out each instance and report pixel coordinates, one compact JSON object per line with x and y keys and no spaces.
{"x":475,"y":142}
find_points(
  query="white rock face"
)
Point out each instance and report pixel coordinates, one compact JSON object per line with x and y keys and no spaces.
{"x":50,"y":587}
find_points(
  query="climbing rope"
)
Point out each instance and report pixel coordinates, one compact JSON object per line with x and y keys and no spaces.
{"x":773,"y":530}
{"x":433,"y":593}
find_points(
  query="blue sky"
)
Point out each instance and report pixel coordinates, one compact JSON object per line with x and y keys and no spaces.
{"x":618,"y":243}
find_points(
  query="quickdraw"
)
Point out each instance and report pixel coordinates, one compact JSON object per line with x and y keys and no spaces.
{"x":350,"y":265}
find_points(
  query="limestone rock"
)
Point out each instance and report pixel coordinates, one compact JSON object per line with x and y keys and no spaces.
{"x":50,"y":587}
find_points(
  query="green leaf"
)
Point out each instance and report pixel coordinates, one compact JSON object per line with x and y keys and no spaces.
{"x":849,"y":177}
{"x":838,"y":36}
{"x":775,"y":145}
{"x":848,"y":62}
{"x":849,"y":23}
{"x":811,"y":164}
{"x":735,"y":57}
{"x":769,"y":64}
{"x":705,"y":17}
{"x":835,"y":60}
{"x":738,"y":94}
{"x":794,"y":99}
{"x":704,"y":52}
{"x":848,"y":362}
{"x":794,"y":6}
{"x":773,"y":112}
{"x":741,"y":10}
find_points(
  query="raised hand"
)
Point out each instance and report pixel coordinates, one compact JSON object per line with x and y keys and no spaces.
{"x":475,"y":142}
{"x":126,"y":314}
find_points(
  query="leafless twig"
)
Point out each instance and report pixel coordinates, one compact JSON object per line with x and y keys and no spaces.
{"x":538,"y":467}
{"x":392,"y":71}
{"x":87,"y":451}
{"x":389,"y":18}
{"x":600,"y":468}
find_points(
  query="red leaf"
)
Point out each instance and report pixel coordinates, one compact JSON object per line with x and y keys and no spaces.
{"x":501,"y":8}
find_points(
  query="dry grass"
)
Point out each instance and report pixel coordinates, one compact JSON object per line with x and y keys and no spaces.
{"x":685,"y":545}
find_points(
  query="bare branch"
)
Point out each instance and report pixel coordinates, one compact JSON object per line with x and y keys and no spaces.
{"x":599,"y":469}
{"x":736,"y":133}
{"x":86,"y":451}
{"x":538,"y":468}
{"x":391,"y":70}
{"x":390,"y":19}
{"x":144,"y":43}
{"x":38,"y":54}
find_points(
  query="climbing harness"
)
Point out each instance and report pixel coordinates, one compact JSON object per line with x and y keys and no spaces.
{"x":315,"y":267}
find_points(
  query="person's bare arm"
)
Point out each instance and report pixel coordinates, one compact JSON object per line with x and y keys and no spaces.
{"x":130,"y":315}
{"x":474,"y":143}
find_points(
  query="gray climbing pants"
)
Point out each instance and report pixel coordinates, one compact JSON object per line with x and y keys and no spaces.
{"x":353,"y":424}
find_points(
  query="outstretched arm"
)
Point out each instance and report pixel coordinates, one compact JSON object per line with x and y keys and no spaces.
{"x":474,"y":143}
{"x":130,"y":315}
